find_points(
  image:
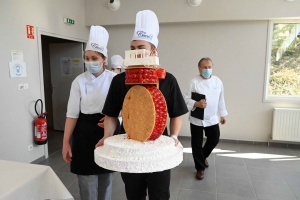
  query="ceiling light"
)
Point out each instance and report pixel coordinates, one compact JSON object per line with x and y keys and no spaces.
{"x":114,"y":4}
{"x":194,"y":3}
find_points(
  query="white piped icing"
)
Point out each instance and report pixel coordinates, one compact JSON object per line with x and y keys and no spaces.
{"x":125,"y":155}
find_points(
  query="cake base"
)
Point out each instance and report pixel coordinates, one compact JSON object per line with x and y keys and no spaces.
{"x":126,"y":155}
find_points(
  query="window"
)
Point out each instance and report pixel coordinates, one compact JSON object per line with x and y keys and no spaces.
{"x":283,"y":61}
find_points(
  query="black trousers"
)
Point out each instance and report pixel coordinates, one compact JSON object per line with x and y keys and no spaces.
{"x":200,"y":153}
{"x":157,"y":183}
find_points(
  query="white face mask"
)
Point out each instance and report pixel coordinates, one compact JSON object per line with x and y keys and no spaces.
{"x":93,"y":67}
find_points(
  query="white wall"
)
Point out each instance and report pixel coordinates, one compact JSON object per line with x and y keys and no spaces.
{"x":169,"y":11}
{"x":17,"y":107}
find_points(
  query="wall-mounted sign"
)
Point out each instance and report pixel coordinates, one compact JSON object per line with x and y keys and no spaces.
{"x":69,"y":21}
{"x":17,"y":69}
{"x":30,"y":31}
{"x":17,"y":55}
{"x":65,"y":66}
{"x":77,"y":62}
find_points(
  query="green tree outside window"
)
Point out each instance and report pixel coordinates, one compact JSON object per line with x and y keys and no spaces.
{"x":284,"y":77}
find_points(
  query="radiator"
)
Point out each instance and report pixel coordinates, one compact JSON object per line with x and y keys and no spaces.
{"x":286,"y":124}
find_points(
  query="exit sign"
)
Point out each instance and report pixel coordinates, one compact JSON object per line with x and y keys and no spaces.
{"x":69,"y":21}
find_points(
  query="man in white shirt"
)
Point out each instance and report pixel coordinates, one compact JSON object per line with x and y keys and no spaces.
{"x":213,"y":104}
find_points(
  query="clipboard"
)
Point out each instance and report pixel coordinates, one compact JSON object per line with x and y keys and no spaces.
{"x":198,"y":112}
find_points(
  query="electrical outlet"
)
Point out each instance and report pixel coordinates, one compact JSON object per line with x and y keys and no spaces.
{"x":25,"y":86}
{"x":21,"y":86}
{"x":30,"y":147}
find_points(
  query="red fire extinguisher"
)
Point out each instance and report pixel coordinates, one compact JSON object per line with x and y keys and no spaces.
{"x":40,"y":126}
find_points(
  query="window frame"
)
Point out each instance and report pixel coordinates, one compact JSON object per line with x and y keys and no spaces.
{"x":266,"y":97}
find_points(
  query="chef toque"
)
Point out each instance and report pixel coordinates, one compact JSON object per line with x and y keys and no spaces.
{"x":146,"y":27}
{"x":116,"y":61}
{"x":98,"y":40}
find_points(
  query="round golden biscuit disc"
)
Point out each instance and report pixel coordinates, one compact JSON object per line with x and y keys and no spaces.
{"x":138,"y":113}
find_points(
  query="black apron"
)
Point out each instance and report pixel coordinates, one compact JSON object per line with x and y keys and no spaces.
{"x":86,"y":135}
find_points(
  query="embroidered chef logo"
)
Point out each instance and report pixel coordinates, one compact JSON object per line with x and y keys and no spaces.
{"x":142,"y":34}
{"x":96,"y":46}
{"x":18,"y":69}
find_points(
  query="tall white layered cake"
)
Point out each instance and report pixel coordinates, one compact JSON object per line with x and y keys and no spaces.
{"x":126,"y":155}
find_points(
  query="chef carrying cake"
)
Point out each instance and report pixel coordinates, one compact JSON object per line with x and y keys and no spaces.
{"x":157,"y":183}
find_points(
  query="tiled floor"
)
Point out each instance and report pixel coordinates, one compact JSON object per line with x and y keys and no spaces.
{"x":235,"y":173}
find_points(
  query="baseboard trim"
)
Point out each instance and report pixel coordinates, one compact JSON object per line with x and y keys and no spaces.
{"x":289,"y":144}
{"x":270,"y":142}
{"x":37,"y":161}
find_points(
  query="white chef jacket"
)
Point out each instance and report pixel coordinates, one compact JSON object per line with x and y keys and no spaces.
{"x":88,"y":93}
{"x":214,"y":93}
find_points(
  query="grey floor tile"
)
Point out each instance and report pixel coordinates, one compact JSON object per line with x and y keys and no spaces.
{"x":247,"y":148}
{"x":292,"y":177}
{"x":207,"y":184}
{"x":190,"y":161}
{"x":259,"y":163}
{"x":55,"y":161}
{"x":118,"y":192}
{"x":67,"y":178}
{"x":229,"y":146}
{"x":173,"y":193}
{"x":199,"y":195}
{"x":65,"y":168}
{"x":76,"y":196}
{"x":296,"y":152}
{"x":279,"y":144}
{"x":265,"y":174}
{"x":232,"y":197}
{"x":185,"y":141}
{"x":74,"y":189}
{"x":232,"y":171}
{"x":280,"y":151}
{"x":118,"y":178}
{"x":176,"y":176}
{"x":181,"y":168}
{"x":184,"y":159}
{"x":288,"y":165}
{"x":295,"y":146}
{"x":55,"y":139}
{"x":221,"y":160}
{"x":114,"y":175}
{"x":296,"y":190}
{"x":274,"y":191}
{"x":241,"y":188}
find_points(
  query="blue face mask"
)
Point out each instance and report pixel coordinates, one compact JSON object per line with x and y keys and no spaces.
{"x":206,"y":73}
{"x":93,"y":67}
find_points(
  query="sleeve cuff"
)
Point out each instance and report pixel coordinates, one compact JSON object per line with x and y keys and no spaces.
{"x":223,"y":113}
{"x":190,"y":106}
{"x":71,"y":115}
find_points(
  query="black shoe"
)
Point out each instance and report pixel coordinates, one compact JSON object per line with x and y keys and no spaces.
{"x":206,"y":163}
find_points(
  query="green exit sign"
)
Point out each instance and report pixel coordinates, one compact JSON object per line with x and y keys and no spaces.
{"x":69,"y":21}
